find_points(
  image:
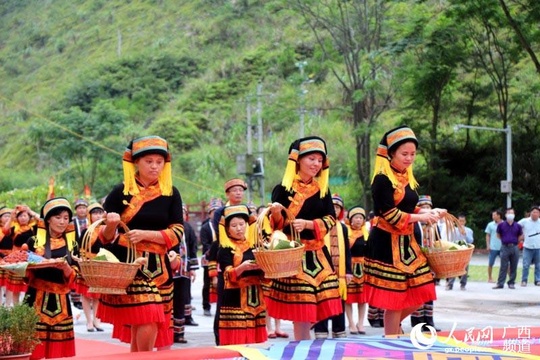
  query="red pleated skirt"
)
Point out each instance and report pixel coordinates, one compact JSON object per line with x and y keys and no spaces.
{"x":394,"y":300}
{"x":54,"y":349}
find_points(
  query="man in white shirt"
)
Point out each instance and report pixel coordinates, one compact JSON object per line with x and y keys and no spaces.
{"x":493,"y":243}
{"x":531,"y":245}
{"x":468,"y":237}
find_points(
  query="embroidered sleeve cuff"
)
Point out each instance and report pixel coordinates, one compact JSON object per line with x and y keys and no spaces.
{"x":102,"y":237}
{"x":404,"y":221}
{"x":212,"y":269}
{"x":317,"y":225}
{"x":397,"y":218}
{"x":167,"y":239}
{"x":230,"y":275}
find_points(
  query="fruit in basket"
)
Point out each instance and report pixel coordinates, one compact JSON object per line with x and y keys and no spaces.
{"x":16,"y":256}
{"x":451,"y":246}
{"x":106,"y":255}
{"x":279,"y":241}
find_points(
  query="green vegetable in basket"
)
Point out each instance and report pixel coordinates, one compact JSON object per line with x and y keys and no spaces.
{"x":106,"y":255}
{"x":279,"y":241}
{"x":284,"y":244}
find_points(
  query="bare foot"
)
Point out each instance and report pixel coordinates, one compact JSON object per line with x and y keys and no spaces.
{"x":490,"y":281}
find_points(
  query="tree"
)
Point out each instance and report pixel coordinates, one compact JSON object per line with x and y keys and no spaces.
{"x":492,"y":47}
{"x":530,"y":13}
{"x":74,"y":140}
{"x":432,"y":53}
{"x":350,"y":36}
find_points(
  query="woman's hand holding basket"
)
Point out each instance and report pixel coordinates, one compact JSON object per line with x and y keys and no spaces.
{"x":112,"y":221}
{"x":246,"y":266}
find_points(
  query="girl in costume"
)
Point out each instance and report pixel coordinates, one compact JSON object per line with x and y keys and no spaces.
{"x":49,"y":287}
{"x":397,"y":276}
{"x":242,"y":315}
{"x":90,"y":301}
{"x":313,"y":294}
{"x":151,"y":207}
{"x":21,"y":228}
{"x":358,"y":236}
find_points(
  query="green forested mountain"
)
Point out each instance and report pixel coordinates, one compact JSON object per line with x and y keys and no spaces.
{"x":80,"y":78}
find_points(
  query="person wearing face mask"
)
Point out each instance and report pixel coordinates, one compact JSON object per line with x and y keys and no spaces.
{"x":510,"y":233}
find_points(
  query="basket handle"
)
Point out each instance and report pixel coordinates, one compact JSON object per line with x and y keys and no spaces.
{"x":263,"y":221}
{"x":434,"y":233}
{"x":86,"y":242}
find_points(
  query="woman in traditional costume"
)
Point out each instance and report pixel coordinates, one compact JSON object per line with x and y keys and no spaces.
{"x":151,"y":207}
{"x":313,"y":294}
{"x":22,"y":227}
{"x":242,"y":315}
{"x":6,"y":244}
{"x":49,"y":287}
{"x":90,"y":301}
{"x":398,"y":278}
{"x":358,"y":236}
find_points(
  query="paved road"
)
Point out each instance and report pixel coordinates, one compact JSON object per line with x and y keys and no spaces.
{"x":478,"y":307}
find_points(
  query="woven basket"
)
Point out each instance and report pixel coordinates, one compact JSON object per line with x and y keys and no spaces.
{"x":106,"y":277}
{"x":277,"y":263}
{"x":447,"y":263}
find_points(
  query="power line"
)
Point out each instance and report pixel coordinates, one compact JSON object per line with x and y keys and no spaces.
{"x":93,"y":142}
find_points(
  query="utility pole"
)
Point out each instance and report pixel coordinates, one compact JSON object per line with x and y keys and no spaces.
{"x":249,"y":156}
{"x":250,"y":165}
{"x":301,"y":65}
{"x":506,"y":185}
{"x":260,"y":159}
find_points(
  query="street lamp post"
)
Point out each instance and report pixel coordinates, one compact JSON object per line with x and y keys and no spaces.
{"x":506,"y":186}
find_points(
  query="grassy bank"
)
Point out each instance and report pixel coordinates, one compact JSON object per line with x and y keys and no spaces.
{"x":479,"y":273}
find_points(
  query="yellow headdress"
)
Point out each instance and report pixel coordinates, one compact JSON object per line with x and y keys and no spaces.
{"x":303,"y":147}
{"x":5,"y":210}
{"x":55,"y":203}
{"x":390,"y":141}
{"x":356,"y":210}
{"x":228,"y":213}
{"x":91,"y":208}
{"x":144,"y":146}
